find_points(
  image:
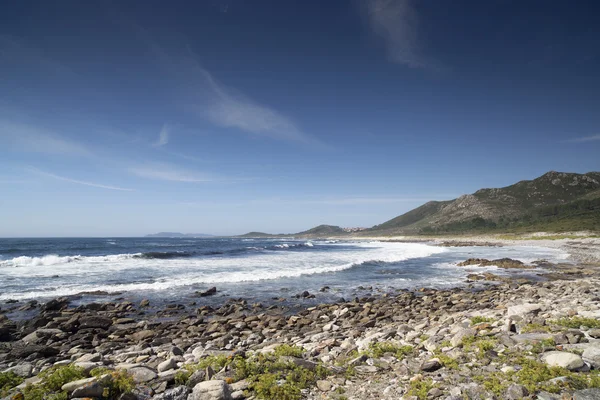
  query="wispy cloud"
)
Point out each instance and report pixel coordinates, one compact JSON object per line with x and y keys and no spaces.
{"x":29,"y":138}
{"x":163,"y":136}
{"x":396,"y":21}
{"x":224,"y":106}
{"x":166,"y":172}
{"x":76,"y":181}
{"x":584,"y":139}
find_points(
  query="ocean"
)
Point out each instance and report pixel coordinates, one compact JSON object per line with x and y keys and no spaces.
{"x":260,"y":270}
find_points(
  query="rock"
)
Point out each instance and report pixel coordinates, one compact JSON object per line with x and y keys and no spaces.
{"x":142,"y":374}
{"x":324,"y":386}
{"x":24,"y":370}
{"x":21,"y":350}
{"x":197,"y":377}
{"x":211,"y":390}
{"x":210,"y":292}
{"x":563,"y":359}
{"x":431,"y":365}
{"x":71,"y":386}
{"x":145,"y":303}
{"x":143,"y":335}
{"x":587,"y":394}
{"x":595,"y":333}
{"x":591,"y":354}
{"x":176,"y":393}
{"x":548,"y":396}
{"x":95,"y":357}
{"x":94,"y":322}
{"x":523,"y":309}
{"x":167,"y":365}
{"x":460,"y":335}
{"x":55,"y":305}
{"x":92,"y":389}
{"x":516,"y":392}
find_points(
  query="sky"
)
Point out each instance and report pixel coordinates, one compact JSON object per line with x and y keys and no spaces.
{"x":228,"y":116}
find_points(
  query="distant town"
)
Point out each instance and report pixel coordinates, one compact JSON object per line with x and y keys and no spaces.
{"x":354,"y":229}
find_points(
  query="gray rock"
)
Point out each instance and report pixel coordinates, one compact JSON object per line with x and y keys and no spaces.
{"x":211,"y":390}
{"x":516,"y":392}
{"x":24,"y":370}
{"x":595,"y":333}
{"x":95,"y":322}
{"x":71,"y":386}
{"x":196,"y":378}
{"x":563,"y":359}
{"x":460,"y":335}
{"x":587,"y":394}
{"x":547,"y":396}
{"x":177,"y":393}
{"x":523,"y":309}
{"x":142,"y":374}
{"x":92,"y":389}
{"x":167,"y":365}
{"x":324,"y":386}
{"x":431,"y":365}
{"x":89,"y":358}
{"x":591,"y":354}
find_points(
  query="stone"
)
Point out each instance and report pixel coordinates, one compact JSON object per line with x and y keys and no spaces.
{"x":563,"y":359}
{"x":71,"y":386}
{"x":145,"y":303}
{"x":591,"y":354}
{"x":587,"y":394}
{"x":210,"y":292}
{"x":142,"y":374}
{"x":460,"y":335}
{"x":89,"y":358}
{"x":92,"y":389}
{"x":197,"y":377}
{"x":431,"y":365}
{"x":167,"y":365}
{"x":324,"y":386}
{"x":94,"y":322}
{"x":211,"y":390}
{"x":516,"y":392}
{"x":523,"y":309}
{"x":143,"y":335}
{"x":176,"y":393}
{"x":595,"y":333}
{"x":24,"y":370}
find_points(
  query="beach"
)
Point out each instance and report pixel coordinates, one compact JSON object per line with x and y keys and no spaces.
{"x":497,"y":335}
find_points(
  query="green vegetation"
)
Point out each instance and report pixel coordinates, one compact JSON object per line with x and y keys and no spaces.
{"x":542,"y":345}
{"x":52,"y":381}
{"x":379,"y":349}
{"x":8,"y":380}
{"x":576,"y":322}
{"x":217,"y":363}
{"x":529,"y":328}
{"x":287,"y":350}
{"x":478,"y":319}
{"x":120,"y":381}
{"x":420,"y":388}
{"x":554,"y":202}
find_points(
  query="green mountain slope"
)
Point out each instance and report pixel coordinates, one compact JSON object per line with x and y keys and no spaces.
{"x":555,"y":201}
{"x":323,"y":230}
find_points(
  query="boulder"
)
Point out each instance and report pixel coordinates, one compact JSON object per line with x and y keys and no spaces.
{"x":523,"y":309}
{"x":431,"y":365}
{"x":563,"y":359}
{"x":71,"y":386}
{"x":92,"y":389}
{"x":167,"y":365}
{"x":211,"y":390}
{"x":516,"y":392}
{"x":460,"y":335}
{"x":591,"y":354}
{"x":587,"y":394}
{"x":96,"y":322}
{"x":142,"y":374}
{"x":176,"y":393}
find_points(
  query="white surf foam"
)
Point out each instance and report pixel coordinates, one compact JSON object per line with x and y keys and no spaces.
{"x":172,"y":273}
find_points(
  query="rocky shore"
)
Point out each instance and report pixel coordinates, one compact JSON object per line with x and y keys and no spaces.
{"x":509,"y":340}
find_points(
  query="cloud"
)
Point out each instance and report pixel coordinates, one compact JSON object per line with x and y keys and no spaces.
{"x":62,"y":178}
{"x":166,"y":172}
{"x":163,"y":136}
{"x":585,"y":139}
{"x":29,"y":138}
{"x":226,"y":107}
{"x":396,"y":21}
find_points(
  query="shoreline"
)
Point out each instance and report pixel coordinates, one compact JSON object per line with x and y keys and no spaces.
{"x":347,"y":339}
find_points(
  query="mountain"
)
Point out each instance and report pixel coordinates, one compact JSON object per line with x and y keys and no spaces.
{"x":323,"y":230}
{"x":556,"y":201}
{"x":179,"y":235}
{"x":256,"y":235}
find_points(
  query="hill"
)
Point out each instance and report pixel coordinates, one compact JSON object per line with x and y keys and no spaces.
{"x":556,"y":201}
{"x":323,"y":230}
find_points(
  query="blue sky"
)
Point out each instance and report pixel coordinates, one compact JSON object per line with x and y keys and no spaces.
{"x":223,"y":117}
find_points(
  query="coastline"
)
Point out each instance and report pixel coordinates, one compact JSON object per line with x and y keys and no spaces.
{"x":362,"y":345}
